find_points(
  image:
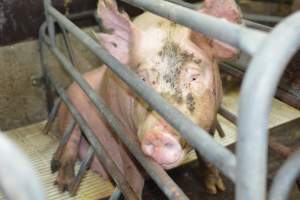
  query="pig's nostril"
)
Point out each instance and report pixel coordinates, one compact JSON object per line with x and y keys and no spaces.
{"x":149,"y":148}
{"x":169,"y":145}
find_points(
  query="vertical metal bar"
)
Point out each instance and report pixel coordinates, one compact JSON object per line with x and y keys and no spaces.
{"x":258,"y":88}
{"x":50,"y":96}
{"x":220,"y":129}
{"x":50,"y":22}
{"x":52,"y":116}
{"x":285,"y":178}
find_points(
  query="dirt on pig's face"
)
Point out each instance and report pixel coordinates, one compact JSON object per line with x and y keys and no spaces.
{"x":182,"y":73}
{"x":178,"y":63}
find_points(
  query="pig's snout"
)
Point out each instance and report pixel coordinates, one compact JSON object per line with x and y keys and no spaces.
{"x":164,"y":148}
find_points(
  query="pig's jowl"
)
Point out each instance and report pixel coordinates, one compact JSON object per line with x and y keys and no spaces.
{"x":178,"y":63}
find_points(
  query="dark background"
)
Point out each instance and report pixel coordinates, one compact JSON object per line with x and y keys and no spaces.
{"x":21,"y":19}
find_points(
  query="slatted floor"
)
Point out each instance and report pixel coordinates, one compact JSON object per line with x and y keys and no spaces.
{"x":39,"y":149}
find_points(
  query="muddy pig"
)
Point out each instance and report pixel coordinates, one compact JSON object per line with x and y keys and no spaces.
{"x":178,"y":63}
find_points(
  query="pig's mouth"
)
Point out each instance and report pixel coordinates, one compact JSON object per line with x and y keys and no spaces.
{"x":173,"y":164}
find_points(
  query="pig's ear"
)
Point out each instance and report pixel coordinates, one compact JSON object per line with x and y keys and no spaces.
{"x":226,"y":9}
{"x":118,"y":33}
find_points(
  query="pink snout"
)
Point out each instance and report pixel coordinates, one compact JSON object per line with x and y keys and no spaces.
{"x":164,"y":148}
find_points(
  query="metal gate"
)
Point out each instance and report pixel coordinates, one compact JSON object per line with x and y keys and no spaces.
{"x":247,"y":169}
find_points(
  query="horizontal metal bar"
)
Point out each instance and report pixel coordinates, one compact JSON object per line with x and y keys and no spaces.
{"x":81,"y":15}
{"x":101,"y":153}
{"x":262,"y":18}
{"x":197,"y":137}
{"x":285,"y":178}
{"x":257,"y":26}
{"x":185,"y":4}
{"x":18,"y":179}
{"x":236,"y":35}
{"x":258,"y":88}
{"x":167,"y":185}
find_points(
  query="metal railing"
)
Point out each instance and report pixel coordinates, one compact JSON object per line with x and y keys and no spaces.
{"x":270,"y":56}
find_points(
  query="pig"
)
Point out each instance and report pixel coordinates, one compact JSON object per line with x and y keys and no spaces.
{"x":178,"y":63}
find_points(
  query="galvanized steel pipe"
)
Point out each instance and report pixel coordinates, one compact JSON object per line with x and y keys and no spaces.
{"x":239,"y":36}
{"x":285,"y":178}
{"x":50,"y":22}
{"x":258,"y":89}
{"x":197,"y":137}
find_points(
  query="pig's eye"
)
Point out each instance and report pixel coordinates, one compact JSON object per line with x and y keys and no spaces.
{"x":194,"y":77}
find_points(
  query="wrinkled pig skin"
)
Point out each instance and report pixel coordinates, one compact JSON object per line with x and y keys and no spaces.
{"x":179,"y":64}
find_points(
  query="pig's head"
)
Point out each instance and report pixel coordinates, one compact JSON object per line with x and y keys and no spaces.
{"x":178,"y":63}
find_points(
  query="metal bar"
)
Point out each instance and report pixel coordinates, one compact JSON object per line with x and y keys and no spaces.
{"x":228,"y":115}
{"x":55,"y":164}
{"x":279,"y":148}
{"x":255,"y":25}
{"x":49,"y":93}
{"x":68,"y":45}
{"x":85,"y":164}
{"x":258,"y":88}
{"x":262,"y":18}
{"x":185,"y":4}
{"x":220,"y":129}
{"x":52,"y":116}
{"x":84,"y":14}
{"x":18,"y":179}
{"x":285,"y":178}
{"x":239,"y":36}
{"x":171,"y":190}
{"x":197,"y":137}
{"x":116,"y":195}
{"x":50,"y":22}
{"x":101,"y":153}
